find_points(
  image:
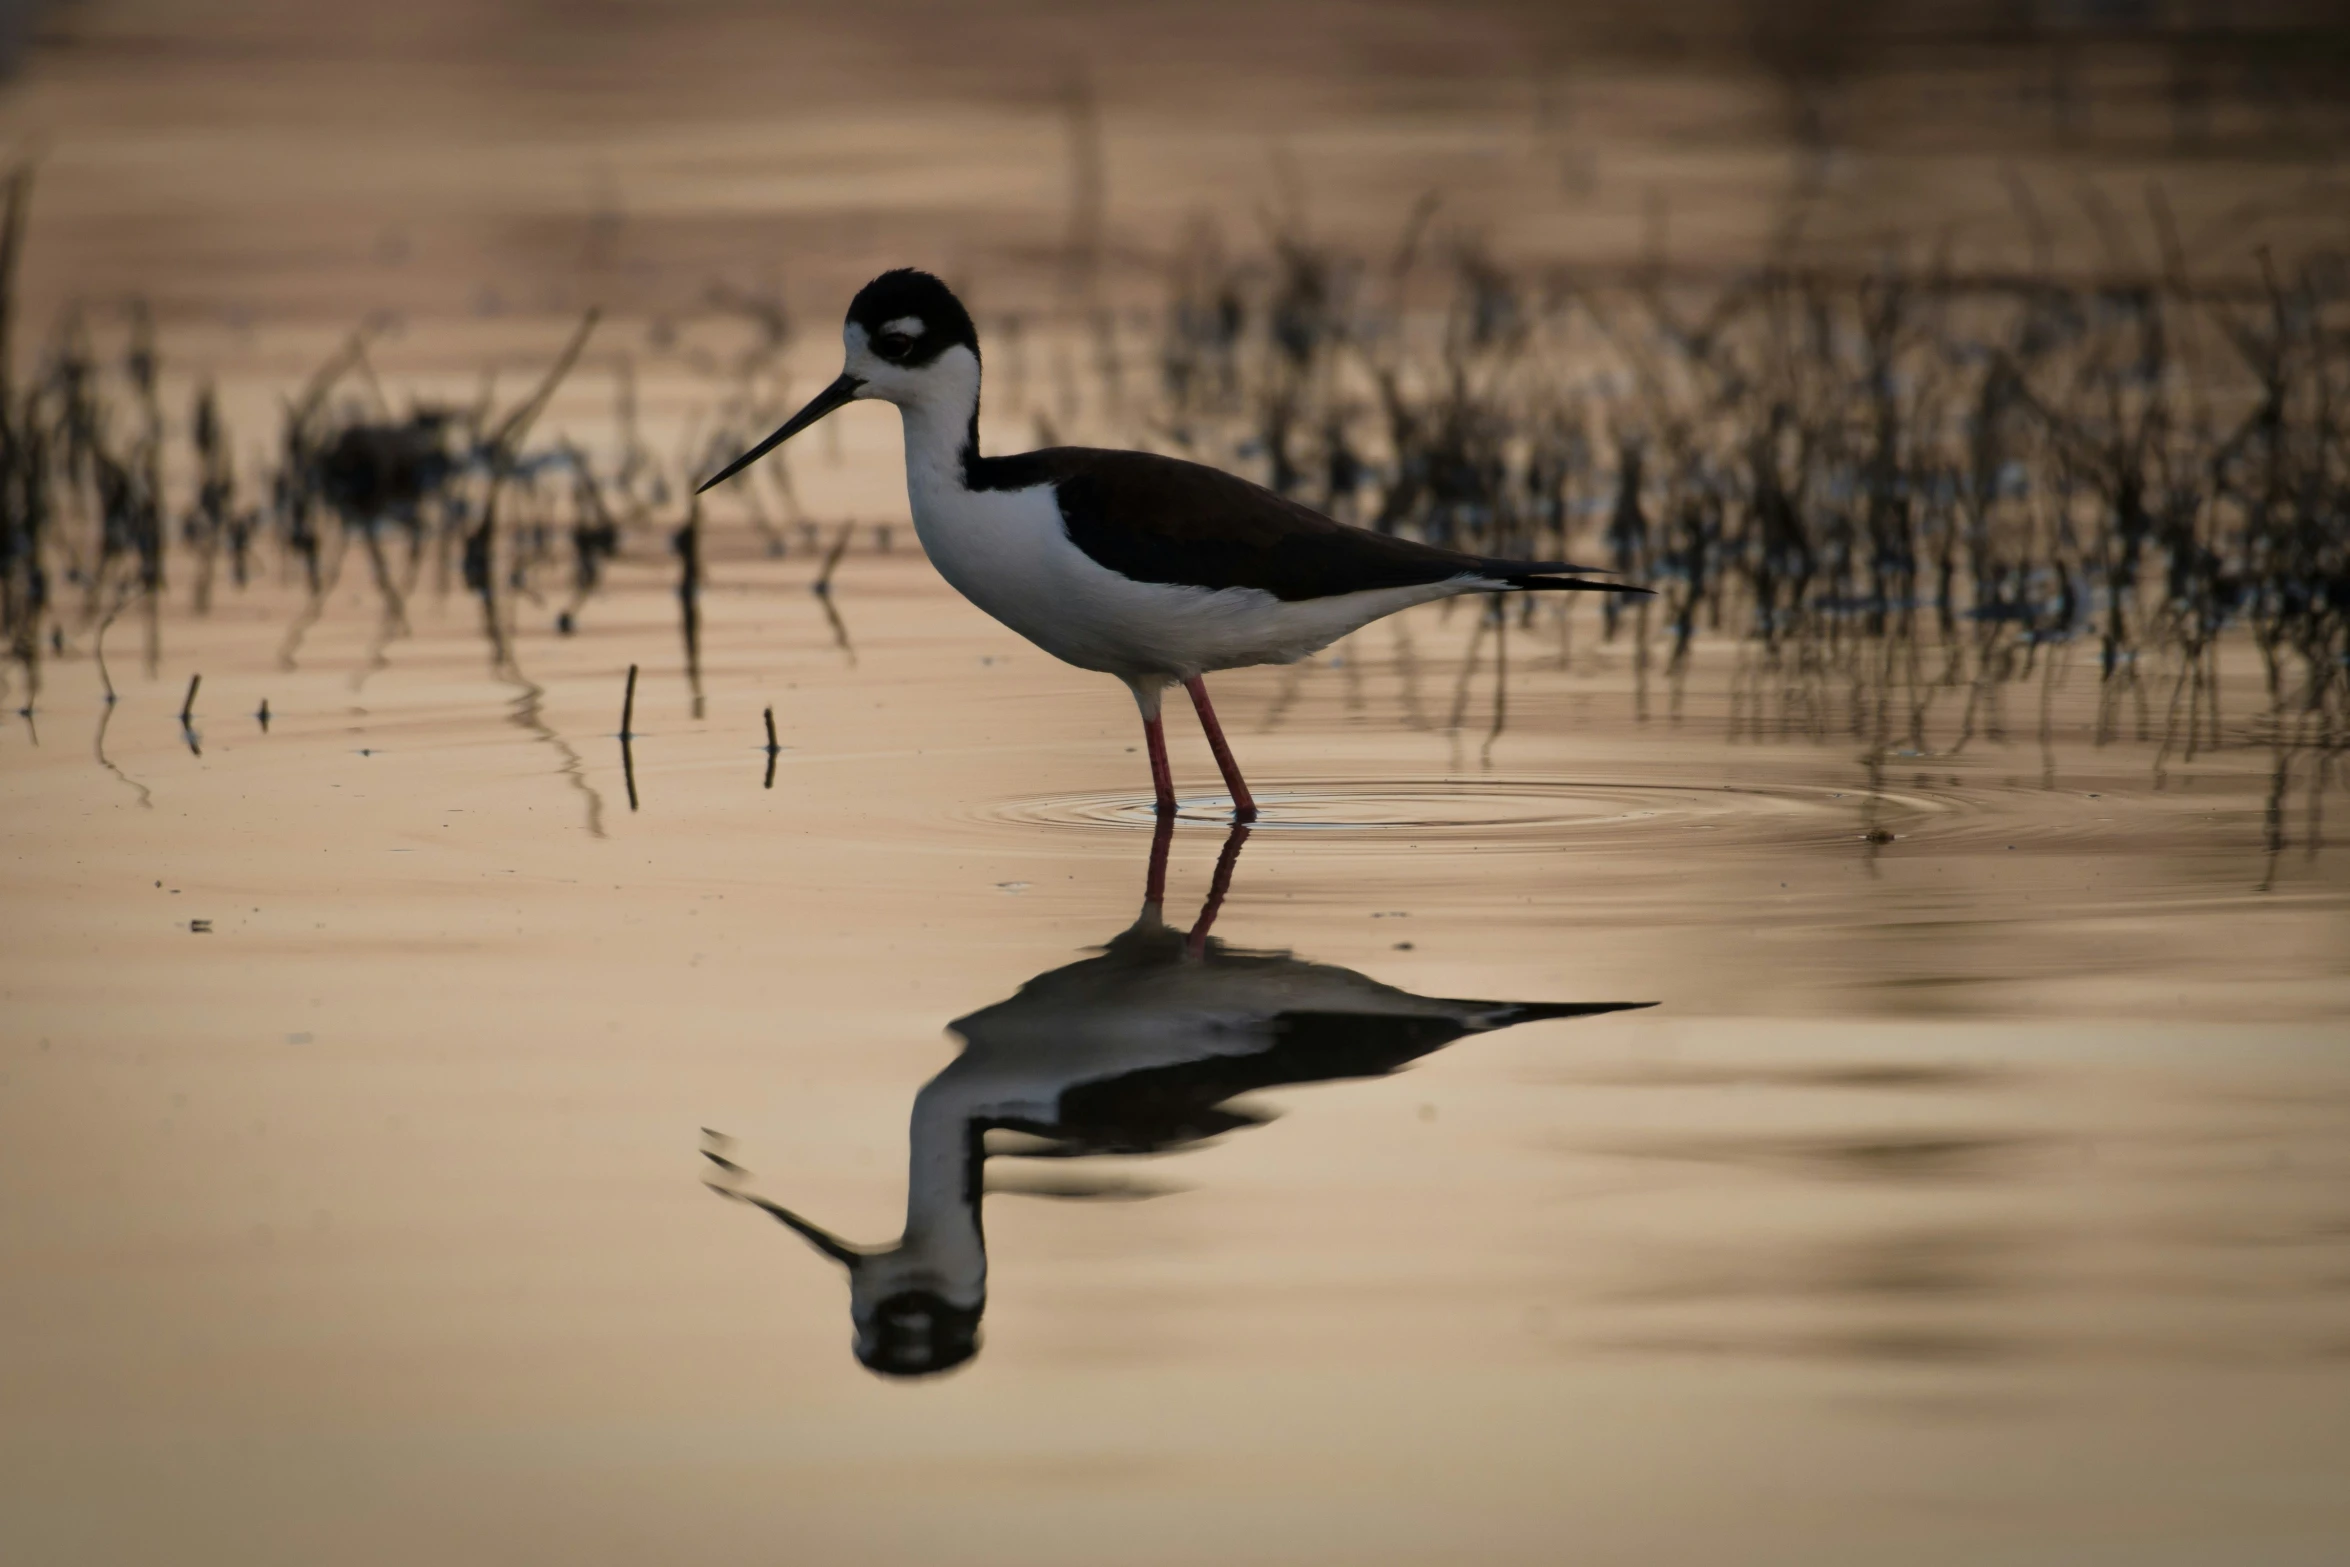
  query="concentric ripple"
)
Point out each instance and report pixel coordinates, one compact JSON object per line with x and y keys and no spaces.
{"x":1528,"y":812}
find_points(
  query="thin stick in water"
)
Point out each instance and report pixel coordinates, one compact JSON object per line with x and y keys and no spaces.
{"x":627,"y":735}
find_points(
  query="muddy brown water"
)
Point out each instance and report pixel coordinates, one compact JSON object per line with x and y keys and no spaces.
{"x":1976,"y":1194}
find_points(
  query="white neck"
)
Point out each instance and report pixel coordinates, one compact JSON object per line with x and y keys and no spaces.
{"x":938,"y":422}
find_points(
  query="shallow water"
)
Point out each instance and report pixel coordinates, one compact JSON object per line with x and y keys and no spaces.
{"x":1970,"y":1192}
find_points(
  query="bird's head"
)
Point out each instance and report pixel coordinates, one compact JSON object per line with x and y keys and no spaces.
{"x":914,"y":1315}
{"x":907,"y":340}
{"x":915,"y":1333}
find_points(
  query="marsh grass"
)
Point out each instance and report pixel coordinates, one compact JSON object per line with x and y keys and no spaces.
{"x":1910,"y":501}
{"x":1913,"y":498}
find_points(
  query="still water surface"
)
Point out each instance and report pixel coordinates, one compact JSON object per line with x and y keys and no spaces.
{"x":1612,"y":1143}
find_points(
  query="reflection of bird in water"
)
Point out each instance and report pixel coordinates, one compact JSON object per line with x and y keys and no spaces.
{"x":1145,"y":567}
{"x":1139,"y":1049}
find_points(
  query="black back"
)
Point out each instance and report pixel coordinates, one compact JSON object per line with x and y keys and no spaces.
{"x":1161,"y":519}
{"x":1159,"y":1108}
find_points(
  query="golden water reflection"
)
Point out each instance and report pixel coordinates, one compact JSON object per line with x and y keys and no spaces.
{"x":1989,"y":1172}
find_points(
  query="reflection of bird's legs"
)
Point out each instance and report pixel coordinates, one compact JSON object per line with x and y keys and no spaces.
{"x":1218,"y":886}
{"x":1244,"y":809}
{"x":1154,"y":886}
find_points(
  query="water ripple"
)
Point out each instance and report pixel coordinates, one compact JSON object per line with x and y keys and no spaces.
{"x":1565,"y":814}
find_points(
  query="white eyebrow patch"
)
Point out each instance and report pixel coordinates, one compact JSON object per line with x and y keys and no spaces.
{"x":910,"y":325}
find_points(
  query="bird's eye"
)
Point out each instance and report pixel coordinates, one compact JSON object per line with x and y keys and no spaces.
{"x":893,"y":345}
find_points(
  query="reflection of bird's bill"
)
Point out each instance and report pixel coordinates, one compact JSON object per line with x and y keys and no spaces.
{"x":815,"y":1235}
{"x":841,"y":391}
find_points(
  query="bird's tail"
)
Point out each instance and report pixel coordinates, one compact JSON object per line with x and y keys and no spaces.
{"x":1541,"y":578}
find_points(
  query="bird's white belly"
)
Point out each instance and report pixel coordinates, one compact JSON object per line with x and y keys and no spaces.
{"x":1006,"y":551}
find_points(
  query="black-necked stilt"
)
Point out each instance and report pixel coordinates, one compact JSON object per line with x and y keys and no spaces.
{"x":1145,"y":567}
{"x":1139,"y":1049}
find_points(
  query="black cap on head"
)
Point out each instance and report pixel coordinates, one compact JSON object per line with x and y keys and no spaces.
{"x":886,"y":306}
{"x":918,"y":1333}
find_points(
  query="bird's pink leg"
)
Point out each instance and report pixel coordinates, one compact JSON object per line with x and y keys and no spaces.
{"x":1244,"y":809}
{"x":1154,"y":734}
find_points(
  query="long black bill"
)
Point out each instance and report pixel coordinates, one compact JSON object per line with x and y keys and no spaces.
{"x":824,"y":402}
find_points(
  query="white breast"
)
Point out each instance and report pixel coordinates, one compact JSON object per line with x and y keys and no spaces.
{"x":1005,"y":551}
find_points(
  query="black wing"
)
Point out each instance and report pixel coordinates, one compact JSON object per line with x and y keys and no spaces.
{"x":1161,"y":519}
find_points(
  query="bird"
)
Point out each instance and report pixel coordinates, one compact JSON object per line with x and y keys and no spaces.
{"x":1140,"y":1048}
{"x":1151,"y":568}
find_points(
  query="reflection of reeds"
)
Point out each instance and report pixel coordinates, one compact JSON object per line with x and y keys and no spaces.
{"x":98,"y":749}
{"x":822,"y":588}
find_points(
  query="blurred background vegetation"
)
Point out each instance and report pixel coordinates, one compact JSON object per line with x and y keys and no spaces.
{"x":1911,"y":345}
{"x":266,"y":158}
